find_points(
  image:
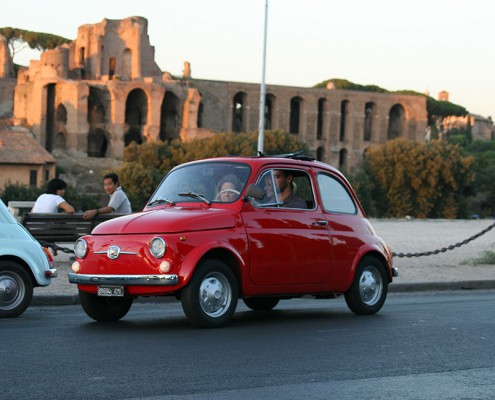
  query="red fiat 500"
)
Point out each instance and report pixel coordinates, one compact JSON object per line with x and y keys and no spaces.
{"x":257,"y":228}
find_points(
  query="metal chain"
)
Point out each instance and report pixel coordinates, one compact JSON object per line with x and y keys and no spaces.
{"x":444,"y":249}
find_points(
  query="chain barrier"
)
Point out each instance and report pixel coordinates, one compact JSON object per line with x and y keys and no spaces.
{"x":55,"y":248}
{"x":444,"y":249}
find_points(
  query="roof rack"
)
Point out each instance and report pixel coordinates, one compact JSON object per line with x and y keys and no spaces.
{"x":297,"y":155}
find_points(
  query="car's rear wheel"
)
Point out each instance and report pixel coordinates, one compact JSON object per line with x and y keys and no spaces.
{"x":369,"y":287}
{"x":261,"y":303}
{"x":16,"y":289}
{"x":104,"y":308}
{"x":210,"y":298}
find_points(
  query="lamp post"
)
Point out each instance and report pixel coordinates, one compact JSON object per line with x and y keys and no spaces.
{"x":261,"y":129}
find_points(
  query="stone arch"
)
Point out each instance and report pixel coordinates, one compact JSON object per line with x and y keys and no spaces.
{"x":343,"y":160}
{"x":61,"y":114}
{"x":199,"y":122}
{"x":170,"y":118}
{"x":98,"y":104}
{"x":295,"y":114}
{"x":270,"y":101}
{"x":396,"y":120}
{"x":344,"y":113}
{"x":239,"y":112}
{"x":136,"y":111}
{"x":320,"y":118}
{"x":97,"y":143}
{"x":112,"y":64}
{"x":60,"y":141}
{"x":369,"y":116}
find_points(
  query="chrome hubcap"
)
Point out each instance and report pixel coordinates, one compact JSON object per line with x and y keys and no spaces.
{"x":11,"y":291}
{"x":215,"y":294}
{"x":370,"y":286}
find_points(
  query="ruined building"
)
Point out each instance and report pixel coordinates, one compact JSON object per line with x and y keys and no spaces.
{"x":104,"y":90}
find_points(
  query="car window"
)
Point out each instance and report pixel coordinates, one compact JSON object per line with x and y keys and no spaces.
{"x":334,"y":195}
{"x":210,"y":181}
{"x":287,"y":188}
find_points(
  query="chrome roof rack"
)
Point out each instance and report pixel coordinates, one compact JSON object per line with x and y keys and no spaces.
{"x":297,"y":155}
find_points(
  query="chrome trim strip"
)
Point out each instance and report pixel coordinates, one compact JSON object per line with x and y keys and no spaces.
{"x":121,"y":252}
{"x":136,"y":280}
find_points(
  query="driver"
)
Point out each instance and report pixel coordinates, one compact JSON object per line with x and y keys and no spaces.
{"x":228,"y":189}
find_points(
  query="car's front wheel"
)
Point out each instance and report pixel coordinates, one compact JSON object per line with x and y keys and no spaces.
{"x":210,"y":298}
{"x":369,"y":287}
{"x":104,"y":309}
{"x":261,"y":303}
{"x":16,"y":289}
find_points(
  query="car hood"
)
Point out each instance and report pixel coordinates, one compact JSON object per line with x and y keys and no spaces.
{"x":168,"y":220}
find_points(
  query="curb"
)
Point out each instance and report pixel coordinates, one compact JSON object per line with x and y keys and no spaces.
{"x":70,"y":300}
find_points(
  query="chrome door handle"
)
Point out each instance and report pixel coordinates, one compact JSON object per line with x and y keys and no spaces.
{"x":321,"y":222}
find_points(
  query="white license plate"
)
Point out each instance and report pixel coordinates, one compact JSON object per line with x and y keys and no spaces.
{"x":111,"y":291}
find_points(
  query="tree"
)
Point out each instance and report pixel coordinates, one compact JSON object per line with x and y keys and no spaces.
{"x":402,"y":178}
{"x":18,"y":39}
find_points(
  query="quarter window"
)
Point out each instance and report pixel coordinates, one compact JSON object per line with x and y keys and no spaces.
{"x":334,"y":196}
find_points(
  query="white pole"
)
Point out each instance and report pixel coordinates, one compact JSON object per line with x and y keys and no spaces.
{"x":261,"y":134}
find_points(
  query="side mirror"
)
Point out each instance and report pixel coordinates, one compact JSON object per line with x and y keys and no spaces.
{"x":254,"y":192}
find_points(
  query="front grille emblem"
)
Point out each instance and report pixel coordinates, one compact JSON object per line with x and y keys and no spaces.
{"x":113,"y":252}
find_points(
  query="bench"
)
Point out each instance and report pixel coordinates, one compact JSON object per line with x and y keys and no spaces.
{"x":61,"y":227}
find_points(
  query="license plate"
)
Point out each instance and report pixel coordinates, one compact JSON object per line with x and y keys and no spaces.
{"x":111,"y":291}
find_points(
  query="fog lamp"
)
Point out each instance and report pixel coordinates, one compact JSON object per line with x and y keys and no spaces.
{"x":76,"y":266}
{"x":164,"y":267}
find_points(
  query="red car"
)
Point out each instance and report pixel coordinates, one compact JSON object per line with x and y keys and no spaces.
{"x":257,"y":228}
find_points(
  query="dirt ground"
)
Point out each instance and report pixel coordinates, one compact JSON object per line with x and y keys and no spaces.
{"x":412,"y":236}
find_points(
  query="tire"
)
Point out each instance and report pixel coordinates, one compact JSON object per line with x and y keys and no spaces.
{"x":104,"y":309}
{"x":16,"y":289}
{"x":261,"y":303}
{"x":369,"y":287}
{"x":210,"y":298}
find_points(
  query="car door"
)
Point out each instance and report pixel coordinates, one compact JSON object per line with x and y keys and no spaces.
{"x":287,"y":245}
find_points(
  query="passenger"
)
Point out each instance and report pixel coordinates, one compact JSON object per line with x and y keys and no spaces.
{"x":118,"y":203}
{"x":228,"y":189}
{"x":52,"y":201}
{"x":285,"y":189}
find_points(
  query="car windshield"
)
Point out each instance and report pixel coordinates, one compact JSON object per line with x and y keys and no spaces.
{"x":208,"y":182}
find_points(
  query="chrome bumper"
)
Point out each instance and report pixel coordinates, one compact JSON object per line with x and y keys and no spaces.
{"x":136,"y":280}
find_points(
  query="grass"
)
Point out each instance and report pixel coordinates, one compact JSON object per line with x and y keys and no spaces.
{"x":488,"y":257}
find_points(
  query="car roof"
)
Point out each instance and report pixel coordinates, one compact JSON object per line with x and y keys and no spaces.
{"x":259,"y":161}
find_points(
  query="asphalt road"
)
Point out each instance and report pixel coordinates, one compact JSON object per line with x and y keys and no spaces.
{"x":420,"y":346}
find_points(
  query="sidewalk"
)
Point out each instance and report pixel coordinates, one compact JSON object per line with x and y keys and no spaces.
{"x":452,"y":270}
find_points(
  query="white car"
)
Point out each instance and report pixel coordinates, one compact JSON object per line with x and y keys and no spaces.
{"x":24,"y":264}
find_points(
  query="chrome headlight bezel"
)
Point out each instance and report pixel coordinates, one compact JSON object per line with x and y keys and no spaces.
{"x":158,"y":247}
{"x":80,"y":248}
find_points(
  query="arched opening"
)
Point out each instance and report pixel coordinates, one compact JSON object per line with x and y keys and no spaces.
{"x":61,"y":114}
{"x":60,"y":127}
{"x":395,"y":122}
{"x":127,"y":64}
{"x":343,"y":160}
{"x":136,"y":111}
{"x":320,"y":153}
{"x":295,"y":114}
{"x":50,"y":116}
{"x":59,"y":142}
{"x":98,"y":103}
{"x":239,"y":112}
{"x":170,"y":121}
{"x":344,"y":111}
{"x":111,"y":67}
{"x":369,"y":114}
{"x":320,"y":118}
{"x":269,"y":110}
{"x":200,"y":115}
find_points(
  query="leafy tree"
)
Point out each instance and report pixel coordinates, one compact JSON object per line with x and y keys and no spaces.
{"x":145,"y":165}
{"x":18,"y":39}
{"x":483,"y":202}
{"x":400,"y":178}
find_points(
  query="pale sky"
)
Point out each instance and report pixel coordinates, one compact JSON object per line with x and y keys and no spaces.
{"x":421,"y":45}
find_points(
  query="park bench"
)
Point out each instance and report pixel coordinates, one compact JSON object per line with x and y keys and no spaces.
{"x":61,"y":227}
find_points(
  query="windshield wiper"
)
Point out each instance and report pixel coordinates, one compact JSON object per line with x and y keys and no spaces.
{"x":160,"y":201}
{"x":195,"y":196}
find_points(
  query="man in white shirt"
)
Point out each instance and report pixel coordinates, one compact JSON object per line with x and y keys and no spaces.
{"x":118,"y":203}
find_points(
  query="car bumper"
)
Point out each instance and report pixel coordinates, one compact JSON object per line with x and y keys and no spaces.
{"x":137,"y":280}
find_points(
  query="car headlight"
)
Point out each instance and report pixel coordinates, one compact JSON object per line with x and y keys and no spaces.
{"x":81,"y":248}
{"x":158,"y":247}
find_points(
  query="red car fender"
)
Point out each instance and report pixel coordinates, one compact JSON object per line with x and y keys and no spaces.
{"x":194,"y":257}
